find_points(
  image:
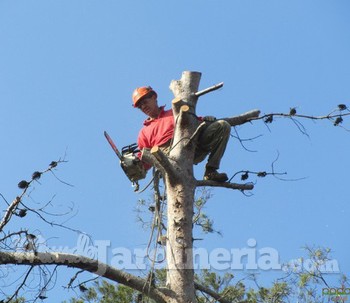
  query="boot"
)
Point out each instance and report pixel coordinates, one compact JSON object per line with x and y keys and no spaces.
{"x":213,"y":175}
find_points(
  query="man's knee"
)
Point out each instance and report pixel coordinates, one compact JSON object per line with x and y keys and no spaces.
{"x":225,"y":127}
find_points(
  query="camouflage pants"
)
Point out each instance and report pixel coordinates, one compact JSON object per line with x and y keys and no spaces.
{"x":212,"y":141}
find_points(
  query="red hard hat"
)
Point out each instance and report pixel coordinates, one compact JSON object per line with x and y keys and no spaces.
{"x":141,"y":92}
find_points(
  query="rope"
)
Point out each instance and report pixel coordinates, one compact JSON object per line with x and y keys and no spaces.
{"x":157,"y":220}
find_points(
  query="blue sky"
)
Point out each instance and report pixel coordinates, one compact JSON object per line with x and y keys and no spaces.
{"x":67,"y":71}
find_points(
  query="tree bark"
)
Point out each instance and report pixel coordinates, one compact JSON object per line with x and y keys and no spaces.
{"x":181,"y":185}
{"x":180,"y":190}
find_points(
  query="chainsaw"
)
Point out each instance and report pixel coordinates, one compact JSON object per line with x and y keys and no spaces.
{"x":129,"y":162}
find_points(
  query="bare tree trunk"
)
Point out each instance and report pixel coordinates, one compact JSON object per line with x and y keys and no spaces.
{"x":181,"y":185}
{"x":177,"y":170}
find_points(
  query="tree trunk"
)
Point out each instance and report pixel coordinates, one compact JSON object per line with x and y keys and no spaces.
{"x":177,"y":170}
{"x":180,"y":185}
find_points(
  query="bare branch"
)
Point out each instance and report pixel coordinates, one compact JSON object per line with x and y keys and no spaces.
{"x":209,"y":89}
{"x":80,"y":285}
{"x":71,"y":185}
{"x":15,"y":294}
{"x":325,"y":117}
{"x":163,"y":160}
{"x":71,"y":281}
{"x":87,"y":264}
{"x":243,"y":140}
{"x":247,"y":186}
{"x":149,"y":158}
{"x":245,"y":174}
{"x":37,"y":212}
{"x":10,"y":235}
{"x":243,"y":118}
{"x":260,"y":174}
{"x":24,"y":185}
{"x":336,"y":119}
{"x":1,"y":195}
{"x":300,"y":126}
{"x":10,"y":210}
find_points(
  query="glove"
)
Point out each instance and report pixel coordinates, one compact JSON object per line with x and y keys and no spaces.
{"x":209,"y":119}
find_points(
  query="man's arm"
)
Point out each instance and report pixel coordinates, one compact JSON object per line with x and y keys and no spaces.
{"x":142,"y":143}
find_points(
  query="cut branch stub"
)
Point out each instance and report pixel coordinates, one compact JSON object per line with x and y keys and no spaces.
{"x":149,"y":158}
{"x":184,"y":108}
{"x":163,"y":160}
{"x":184,"y":119}
{"x":159,"y":155}
{"x":176,"y":105}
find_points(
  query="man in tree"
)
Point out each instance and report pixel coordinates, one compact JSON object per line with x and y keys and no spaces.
{"x":158,"y":130}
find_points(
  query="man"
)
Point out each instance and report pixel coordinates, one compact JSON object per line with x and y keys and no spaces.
{"x":158,"y":130}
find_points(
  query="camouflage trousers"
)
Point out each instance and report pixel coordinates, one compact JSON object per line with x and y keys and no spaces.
{"x":212,"y":141}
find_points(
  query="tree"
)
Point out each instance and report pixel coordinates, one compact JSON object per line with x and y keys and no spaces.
{"x":177,"y":172}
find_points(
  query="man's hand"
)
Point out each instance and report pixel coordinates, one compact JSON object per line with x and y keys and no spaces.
{"x":209,"y":119}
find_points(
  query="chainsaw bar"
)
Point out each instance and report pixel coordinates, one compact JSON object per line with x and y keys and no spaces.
{"x":114,"y":147}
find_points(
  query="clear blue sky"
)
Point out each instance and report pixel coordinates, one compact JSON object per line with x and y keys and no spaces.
{"x":67,"y":71}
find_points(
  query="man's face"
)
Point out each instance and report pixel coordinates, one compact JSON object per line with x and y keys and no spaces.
{"x":149,"y":106}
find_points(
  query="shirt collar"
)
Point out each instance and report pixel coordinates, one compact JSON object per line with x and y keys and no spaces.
{"x":149,"y":119}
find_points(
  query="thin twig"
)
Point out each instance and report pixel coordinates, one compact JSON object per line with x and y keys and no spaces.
{"x":4,"y":199}
{"x":20,"y":286}
{"x":242,"y":140}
